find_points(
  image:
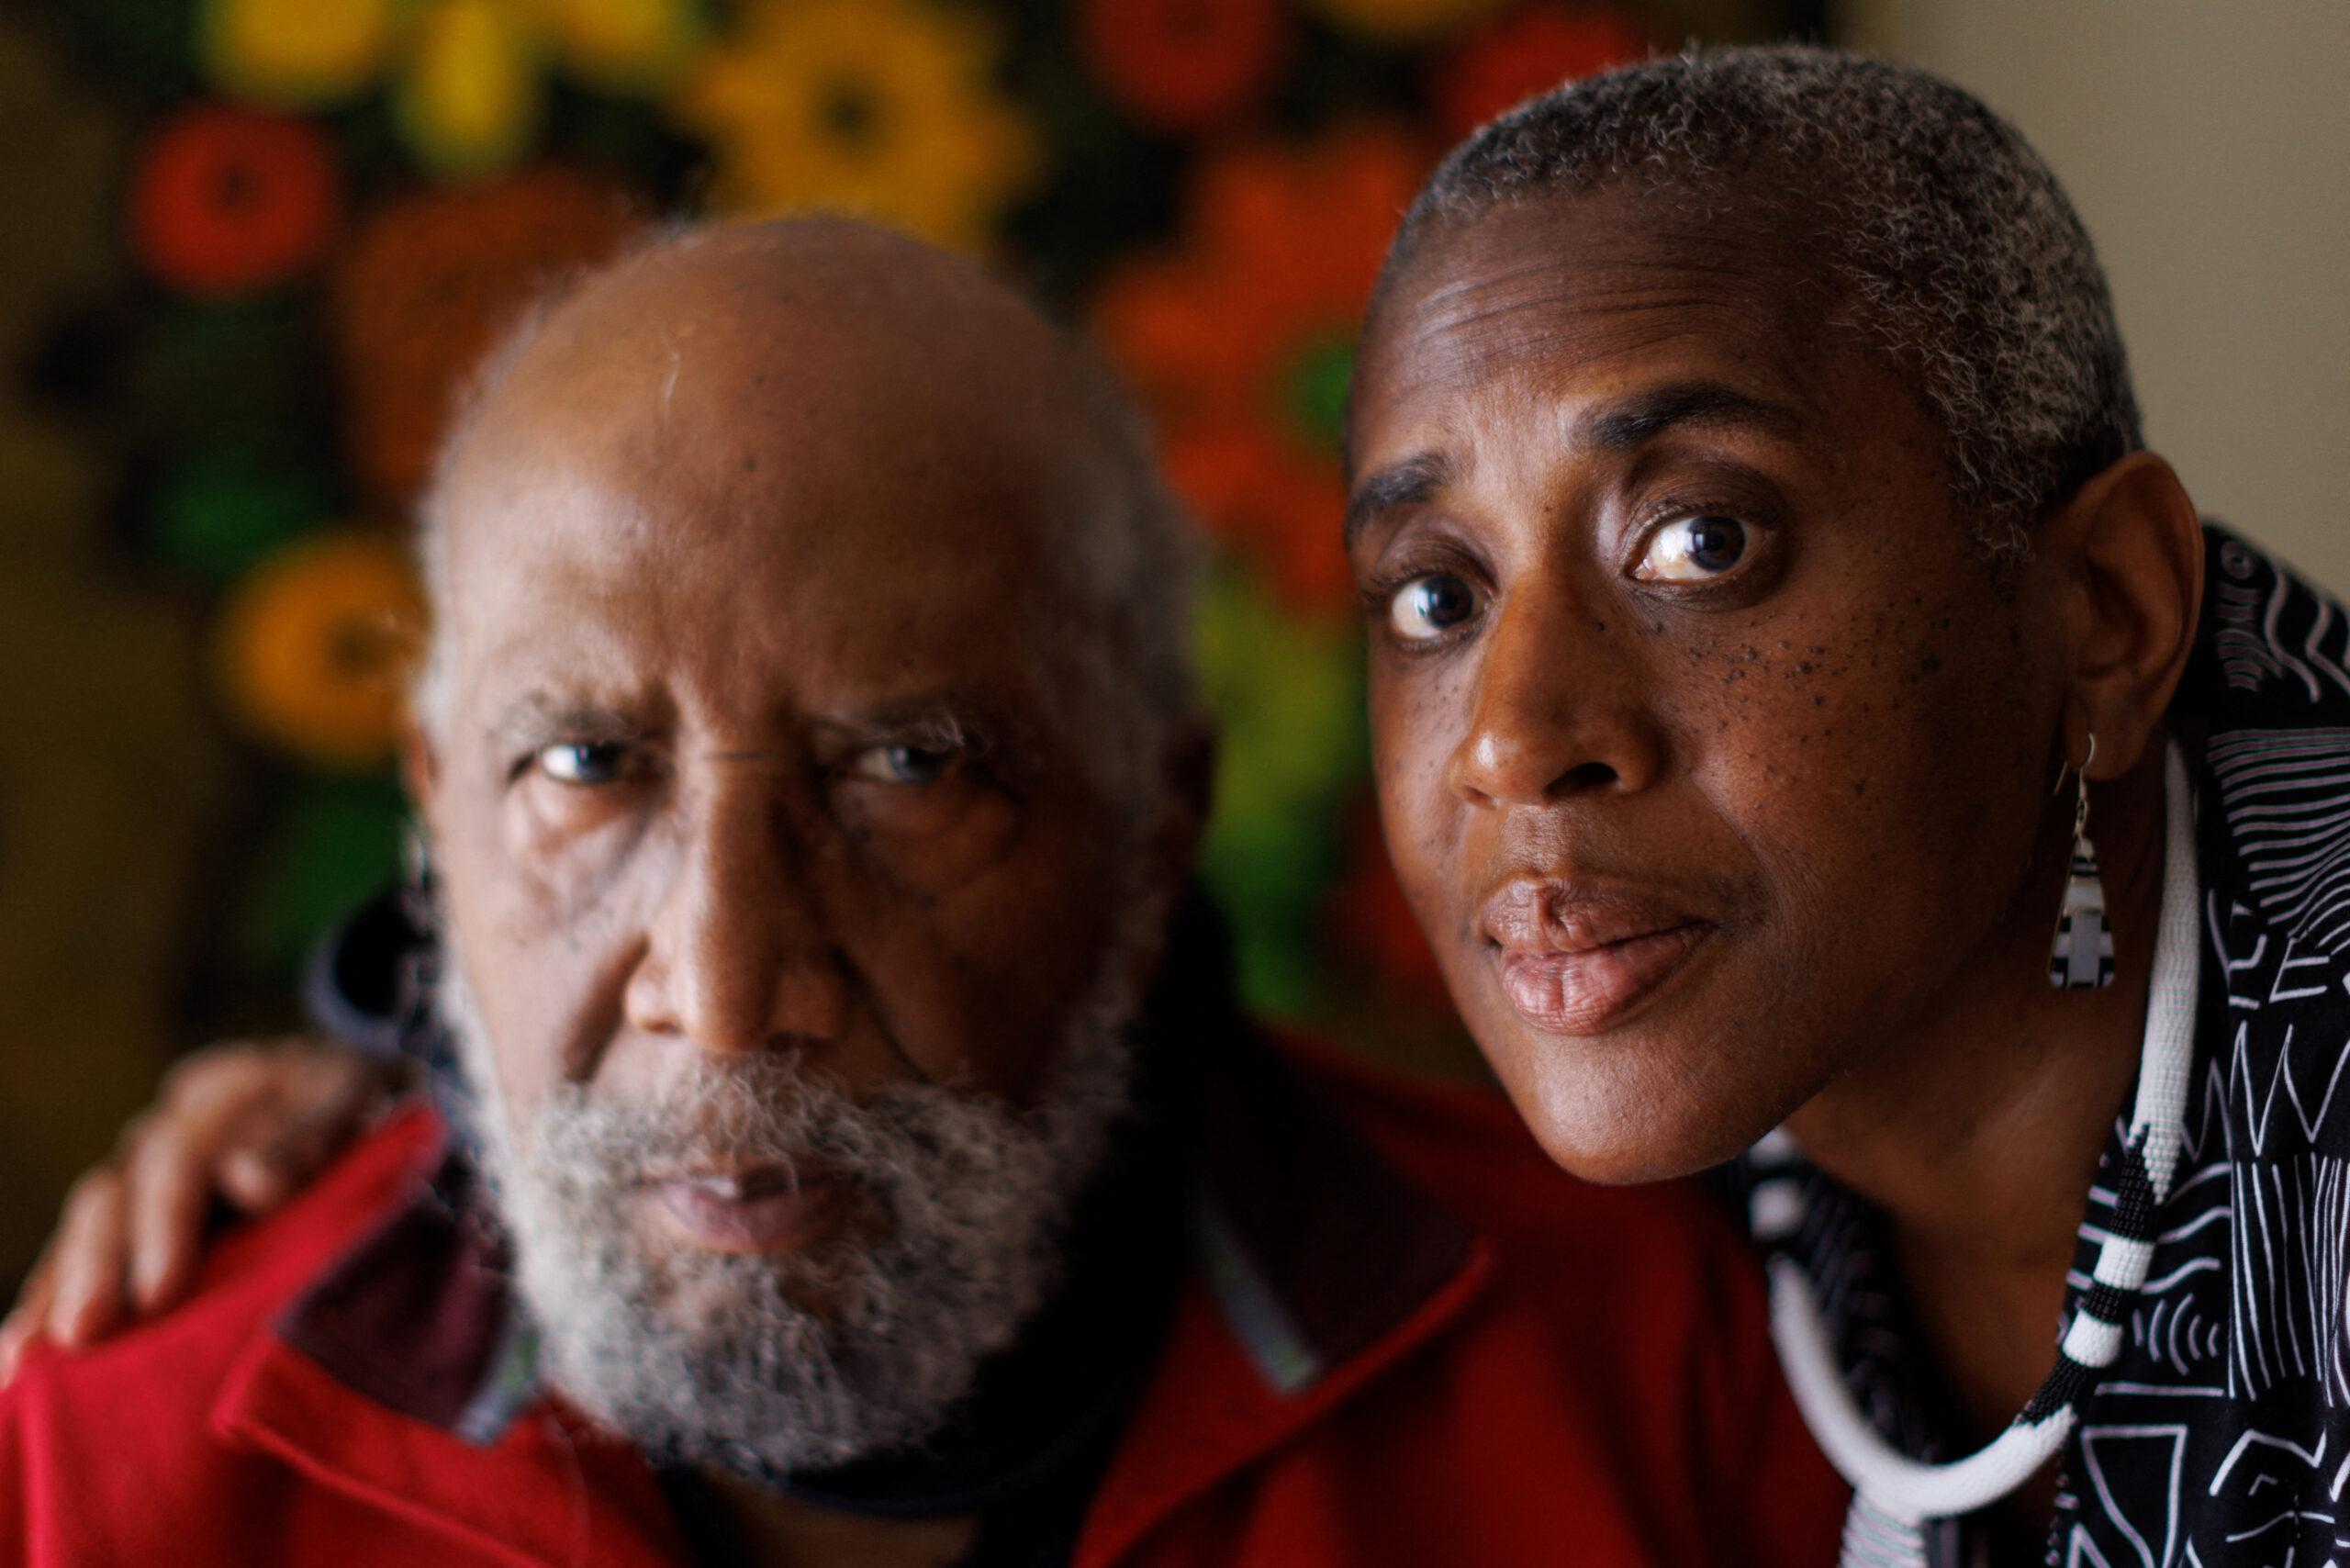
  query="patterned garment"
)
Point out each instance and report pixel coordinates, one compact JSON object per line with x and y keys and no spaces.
{"x":2222,"y":1435}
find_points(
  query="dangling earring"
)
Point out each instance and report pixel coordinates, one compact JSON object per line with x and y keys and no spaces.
{"x":2081,"y":954}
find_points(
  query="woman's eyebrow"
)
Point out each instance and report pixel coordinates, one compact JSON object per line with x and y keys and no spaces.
{"x":1408,"y":483}
{"x":1633,"y":421}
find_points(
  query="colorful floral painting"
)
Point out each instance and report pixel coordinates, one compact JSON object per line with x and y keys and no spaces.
{"x":328,"y":207}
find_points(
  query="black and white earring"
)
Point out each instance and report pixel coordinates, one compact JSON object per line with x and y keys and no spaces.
{"x":2081,"y":954}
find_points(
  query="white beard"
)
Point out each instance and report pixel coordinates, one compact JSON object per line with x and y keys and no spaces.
{"x":712,"y":1359}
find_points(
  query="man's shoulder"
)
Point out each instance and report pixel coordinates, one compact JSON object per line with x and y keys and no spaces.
{"x":161,"y":1378}
{"x":1592,"y":1368}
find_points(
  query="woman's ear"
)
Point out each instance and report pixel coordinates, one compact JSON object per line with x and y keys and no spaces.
{"x":2127,"y":553}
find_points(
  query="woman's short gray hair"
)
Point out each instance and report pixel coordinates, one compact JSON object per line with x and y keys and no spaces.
{"x":1952,"y":239}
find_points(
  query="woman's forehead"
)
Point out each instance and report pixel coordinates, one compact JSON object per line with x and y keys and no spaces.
{"x":1615,"y":284}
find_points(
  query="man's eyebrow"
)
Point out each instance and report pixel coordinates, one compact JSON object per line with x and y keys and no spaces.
{"x":1405,"y":484}
{"x":964,"y":714}
{"x":536,"y":715}
{"x":1635,"y":421}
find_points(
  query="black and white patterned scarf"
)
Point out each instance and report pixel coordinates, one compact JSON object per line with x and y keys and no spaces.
{"x":2221,"y":1433}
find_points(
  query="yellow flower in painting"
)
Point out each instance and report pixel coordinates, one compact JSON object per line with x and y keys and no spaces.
{"x":640,"y":47}
{"x":1403,"y":21}
{"x":885,"y":108}
{"x":297,"y":54}
{"x":471,"y":98}
{"x":468,"y":76}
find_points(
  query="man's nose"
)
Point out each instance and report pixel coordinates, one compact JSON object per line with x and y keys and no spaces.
{"x":740,"y":957}
{"x":1560,"y":708}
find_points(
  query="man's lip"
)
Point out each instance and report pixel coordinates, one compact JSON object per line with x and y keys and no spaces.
{"x":737,"y":1181}
{"x":758,"y":1209}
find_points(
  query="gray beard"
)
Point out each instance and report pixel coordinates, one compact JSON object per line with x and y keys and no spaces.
{"x":707,"y":1358}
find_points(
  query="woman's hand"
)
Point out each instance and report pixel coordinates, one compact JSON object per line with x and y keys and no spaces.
{"x":248,"y":1124}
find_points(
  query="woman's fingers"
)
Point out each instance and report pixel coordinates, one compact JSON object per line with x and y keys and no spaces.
{"x":250,"y":1123}
{"x":93,"y":1243}
{"x":28,"y":1319}
{"x":318,"y":1096}
{"x":171,"y":1160}
{"x":167,"y":1191}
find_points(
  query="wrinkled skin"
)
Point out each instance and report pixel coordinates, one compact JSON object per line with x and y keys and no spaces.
{"x":759,"y":733}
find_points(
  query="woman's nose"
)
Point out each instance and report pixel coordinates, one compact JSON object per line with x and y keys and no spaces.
{"x":1559,"y":708}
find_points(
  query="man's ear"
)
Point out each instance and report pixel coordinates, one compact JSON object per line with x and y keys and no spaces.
{"x":419,"y":767}
{"x":2128,"y":553}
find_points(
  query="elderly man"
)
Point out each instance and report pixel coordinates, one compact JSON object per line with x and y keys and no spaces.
{"x":809,"y":763}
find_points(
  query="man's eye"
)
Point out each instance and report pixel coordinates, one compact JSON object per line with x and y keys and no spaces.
{"x":1426,"y":607}
{"x":582,"y":762}
{"x":903,"y":764}
{"x":1692,"y":548}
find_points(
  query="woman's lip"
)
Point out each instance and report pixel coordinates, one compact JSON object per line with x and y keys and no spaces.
{"x":750,"y":1211}
{"x":1590,"y":989}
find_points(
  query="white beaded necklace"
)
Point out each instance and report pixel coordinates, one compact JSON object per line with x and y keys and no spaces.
{"x":1895,"y":1496}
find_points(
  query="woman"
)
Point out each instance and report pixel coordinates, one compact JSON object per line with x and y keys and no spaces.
{"x":1803,"y":735}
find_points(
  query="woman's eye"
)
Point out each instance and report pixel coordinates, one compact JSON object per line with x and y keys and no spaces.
{"x":1426,"y":607}
{"x":582,"y":762}
{"x":1693,"y":549}
{"x":903,"y":764}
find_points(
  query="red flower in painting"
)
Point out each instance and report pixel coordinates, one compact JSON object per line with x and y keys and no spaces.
{"x":1183,"y":65}
{"x":427,"y":285}
{"x":1530,"y":51}
{"x":226,"y":201}
{"x":1241,"y":340}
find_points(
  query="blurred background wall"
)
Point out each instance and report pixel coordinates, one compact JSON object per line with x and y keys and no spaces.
{"x":2208,"y":147}
{"x":248,"y":246}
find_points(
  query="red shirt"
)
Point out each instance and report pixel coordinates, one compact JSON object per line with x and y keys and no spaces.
{"x":1353,"y":1376}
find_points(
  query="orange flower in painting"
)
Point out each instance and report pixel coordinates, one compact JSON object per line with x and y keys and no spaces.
{"x":1184,"y":65}
{"x":1530,"y":51}
{"x":226,"y":201}
{"x":1241,"y":340}
{"x":317,"y":644}
{"x":427,"y":285}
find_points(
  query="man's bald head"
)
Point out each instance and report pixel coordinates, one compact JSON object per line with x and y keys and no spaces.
{"x":759,"y":367}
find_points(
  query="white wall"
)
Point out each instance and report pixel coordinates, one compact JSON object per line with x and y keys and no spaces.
{"x":2207,"y":144}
